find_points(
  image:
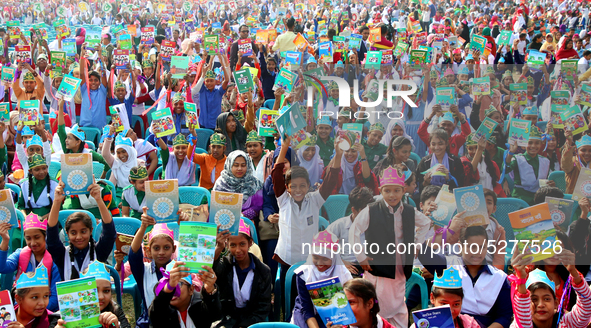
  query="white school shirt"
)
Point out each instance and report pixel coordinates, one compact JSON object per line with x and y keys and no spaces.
{"x":340,"y":228}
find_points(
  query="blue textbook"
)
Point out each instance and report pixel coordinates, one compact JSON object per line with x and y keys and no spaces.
{"x":471,"y":199}
{"x":331,"y":302}
{"x":439,"y":316}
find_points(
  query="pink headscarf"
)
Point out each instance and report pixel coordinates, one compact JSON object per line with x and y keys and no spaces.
{"x":186,"y":47}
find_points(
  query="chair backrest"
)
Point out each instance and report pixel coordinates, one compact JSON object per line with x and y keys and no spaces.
{"x":193,"y":195}
{"x":415,"y":157}
{"x":54,"y":168}
{"x":203,"y":137}
{"x":64,"y":216}
{"x":90,"y":144}
{"x":122,"y":225}
{"x":200,"y":151}
{"x":274,"y":325}
{"x":15,"y":188}
{"x":269,"y":103}
{"x":253,"y":229}
{"x":92,"y":134}
{"x":336,"y":207}
{"x":504,"y":207}
{"x":97,"y":169}
{"x":117,"y":282}
{"x":558,"y":178}
{"x":416,"y":279}
{"x":158,"y":173}
{"x":322,"y":224}
{"x":289,"y":281}
{"x":175,"y":228}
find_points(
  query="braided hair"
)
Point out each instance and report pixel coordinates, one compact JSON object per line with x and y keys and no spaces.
{"x":365,"y":290}
{"x":87,"y":221}
{"x":48,"y":187}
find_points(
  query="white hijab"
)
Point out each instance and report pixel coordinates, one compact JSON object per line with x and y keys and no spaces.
{"x":337,"y":268}
{"x":388,"y":135}
{"x":120,"y":169}
{"x":313,"y":166}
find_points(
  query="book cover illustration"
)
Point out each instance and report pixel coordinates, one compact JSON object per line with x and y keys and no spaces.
{"x":68,"y":87}
{"x":7,"y":314}
{"x":583,"y":186}
{"x":123,"y":242}
{"x":445,"y":97}
{"x":435,"y":317}
{"x":61,"y":29}
{"x":505,"y":38}
{"x":162,"y":123}
{"x":534,"y":225}
{"x":7,"y":209}
{"x":125,"y":41}
{"x":471,"y":199}
{"x":120,"y":58}
{"x":167,"y":50}
{"x":77,"y":173}
{"x":417,"y":58}
{"x":293,"y":58}
{"x":568,"y":68}
{"x":519,"y":132}
{"x":339,"y":43}
{"x":325,"y":52}
{"x":79,"y":302}
{"x":23,"y":54}
{"x":244,"y":81}
{"x":210,"y":42}
{"x":13,"y":29}
{"x":356,"y":129}
{"x":4,"y":112}
{"x":561,"y":211}
{"x":28,"y":112}
{"x":245,"y":46}
{"x":373,"y":59}
{"x":331,"y":302}
{"x":478,"y":43}
{"x":401,"y":48}
{"x":481,"y":86}
{"x":585,"y":95}
{"x":69,"y":46}
{"x":267,"y":119}
{"x":486,"y":129}
{"x":387,"y":57}
{"x":536,"y":59}
{"x":179,"y":66}
{"x":446,"y":207}
{"x":572,"y":119}
{"x":226,"y":211}
{"x":290,"y":121}
{"x":162,"y":199}
{"x":355,"y":41}
{"x":147,"y":35}
{"x":191,"y":115}
{"x":197,"y":244}
{"x":285,"y":80}
{"x":518,"y":93}
{"x":8,"y":74}
{"x":120,"y":122}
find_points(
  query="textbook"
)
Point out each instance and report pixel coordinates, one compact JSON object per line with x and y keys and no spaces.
{"x":439,"y":317}
{"x":8,"y":74}
{"x":294,"y":59}
{"x":120,"y":58}
{"x":331,"y":302}
{"x":267,"y":119}
{"x":573,"y":120}
{"x":132,"y":30}
{"x":210,"y":42}
{"x":485,"y":130}
{"x":568,"y":68}
{"x":505,"y":38}
{"x":28,"y":112}
{"x":387,"y":57}
{"x":262,"y":36}
{"x":560,"y":97}
{"x":7,"y":209}
{"x":125,"y":41}
{"x":375,"y":34}
{"x":339,"y":43}
{"x":13,"y":29}
{"x":92,"y":41}
{"x":556,"y":115}
{"x":561,"y":211}
{"x":69,"y":46}
{"x":478,"y":43}
{"x":197,"y":244}
{"x":534,"y":228}
{"x":147,"y":35}
{"x":536,"y":59}
{"x":179,"y":66}
{"x":519,"y":132}
{"x":7,"y":314}
{"x":61,"y":29}
{"x":77,"y":173}
{"x":79,"y":302}
{"x":23,"y":54}
{"x":4,"y":112}
{"x":226,"y":211}
{"x":355,"y":41}
{"x":68,"y":87}
{"x":518,"y":93}
{"x":123,"y":242}
{"x":162,"y":199}
{"x":300,"y":42}
{"x":446,"y":207}
{"x":167,"y":50}
{"x":325,"y":52}
{"x":290,"y":121}
{"x":418,"y":57}
{"x":471,"y":199}
{"x":373,"y":59}
{"x":445,"y":97}
{"x":245,"y":45}
{"x":117,"y":118}
{"x":162,"y":123}
{"x":244,"y":81}
{"x":356,"y":129}
{"x":583,"y":186}
{"x":481,"y":86}
{"x":191,"y":115}
{"x":585,"y":95}
{"x":401,"y":48}
{"x":285,"y":80}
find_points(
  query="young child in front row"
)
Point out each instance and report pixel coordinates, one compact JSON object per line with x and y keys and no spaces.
{"x":38,"y":189}
{"x":133,"y":198}
{"x":31,"y":297}
{"x":75,"y":258}
{"x":177,"y":165}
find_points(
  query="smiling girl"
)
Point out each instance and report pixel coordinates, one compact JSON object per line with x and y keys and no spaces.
{"x":32,"y":296}
{"x":447,"y":168}
{"x":571,"y":164}
{"x":309,"y":158}
{"x":125,"y":158}
{"x":37,"y":190}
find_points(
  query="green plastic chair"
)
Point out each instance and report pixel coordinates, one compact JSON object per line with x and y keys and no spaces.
{"x":289,"y":280}
{"x":415,"y":157}
{"x":335,"y":207}
{"x":559,"y":178}
{"x":416,"y":279}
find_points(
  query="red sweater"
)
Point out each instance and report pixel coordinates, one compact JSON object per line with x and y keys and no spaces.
{"x":455,"y":142}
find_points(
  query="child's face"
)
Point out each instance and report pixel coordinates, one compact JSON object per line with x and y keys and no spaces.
{"x":334,"y":93}
{"x":217,"y":151}
{"x":374,"y":137}
{"x":543,"y":305}
{"x":35,"y":239}
{"x":120,"y":93}
{"x":39,"y":172}
{"x":361,"y":309}
{"x":532,"y":118}
{"x":72,"y":143}
{"x":2,"y":182}
{"x":351,"y":155}
{"x":104,"y":292}
{"x":491,"y":208}
{"x":239,"y":167}
{"x":585,"y":153}
{"x":35,"y":302}
{"x":122,"y":155}
{"x":209,"y":84}
{"x":185,"y":298}
{"x":397,"y":131}
{"x":161,"y":250}
{"x":533,"y":147}
{"x":472,"y":150}
{"x":454,"y":301}
{"x":474,"y":255}
{"x":309,"y":153}
{"x":497,"y":117}
{"x":180,"y":151}
{"x":438,"y":146}
{"x":403,"y":154}
{"x":427,"y":204}
{"x":342,"y":120}
{"x":322,"y":263}
{"x":34,"y":149}
{"x":411,"y":186}
{"x":93,"y":82}
{"x":238,"y":246}
{"x":392,"y":194}
{"x":323,"y":131}
{"x":448,"y":126}
{"x":140,"y":185}
{"x":298,"y":188}
{"x":254,"y":149}
{"x":551,"y":144}
{"x":79,"y":235}
{"x":179,"y":107}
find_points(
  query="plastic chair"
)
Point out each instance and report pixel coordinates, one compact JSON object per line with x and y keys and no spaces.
{"x":558,"y":178}
{"x":253,"y":229}
{"x":54,"y":169}
{"x":64,"y":216}
{"x":98,"y":169}
{"x":415,"y":157}
{"x":416,"y":279}
{"x":322,"y":224}
{"x":504,"y":207}
{"x":175,"y":228}
{"x":134,"y":121}
{"x":91,"y":145}
{"x":117,"y":282}
{"x":277,"y":306}
{"x":289,"y":280}
{"x":274,"y":325}
{"x":16,"y":189}
{"x":200,"y":151}
{"x":269,"y":103}
{"x":92,"y":134}
{"x":193,"y":195}
{"x":411,"y":202}
{"x":203,"y":137}
{"x":542,"y":125}
{"x":127,"y":226}
{"x":336,"y":207}
{"x":158,"y":173}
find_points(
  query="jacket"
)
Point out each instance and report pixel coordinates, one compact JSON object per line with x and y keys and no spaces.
{"x":203,"y":310}
{"x":258,"y":306}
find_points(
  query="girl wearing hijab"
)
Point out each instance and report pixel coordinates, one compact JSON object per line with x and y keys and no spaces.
{"x":309,"y":158}
{"x":321,"y":264}
{"x":567,"y":51}
{"x":234,"y":132}
{"x":536,"y":43}
{"x":549,"y":45}
{"x":125,"y":158}
{"x":487,"y":35}
{"x":396,"y":128}
{"x":355,"y":171}
{"x":398,"y":153}
{"x":238,"y":177}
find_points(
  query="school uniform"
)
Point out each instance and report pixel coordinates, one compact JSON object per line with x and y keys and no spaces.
{"x":326,"y":149}
{"x":135,"y":200}
{"x":146,"y":276}
{"x":41,"y":199}
{"x":88,"y":203}
{"x":527,"y":170}
{"x":203,"y":310}
{"x":374,"y":154}
{"x":21,"y":152}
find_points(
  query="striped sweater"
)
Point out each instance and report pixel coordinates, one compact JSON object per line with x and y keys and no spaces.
{"x":579,"y":317}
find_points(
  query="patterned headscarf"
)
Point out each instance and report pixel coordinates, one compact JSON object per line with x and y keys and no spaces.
{"x":248,"y":185}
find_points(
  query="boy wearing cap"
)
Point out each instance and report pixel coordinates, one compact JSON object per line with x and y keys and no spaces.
{"x":324,"y":141}
{"x":133,"y":197}
{"x":120,"y":95}
{"x":384,"y":222}
{"x":94,"y":95}
{"x":210,"y":94}
{"x":34,"y":86}
{"x":374,"y":150}
{"x":177,"y":165}
{"x":212,"y":163}
{"x":35,"y":144}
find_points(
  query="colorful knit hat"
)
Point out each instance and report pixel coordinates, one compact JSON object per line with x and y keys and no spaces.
{"x":177,"y":97}
{"x":28,"y":77}
{"x":490,"y":110}
{"x":210,"y":74}
{"x":535,"y":133}
{"x":470,"y":140}
{"x":119,"y":85}
{"x":377,"y":127}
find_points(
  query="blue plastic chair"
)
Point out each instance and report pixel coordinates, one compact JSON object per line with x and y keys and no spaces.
{"x":200,"y":151}
{"x":116,"y":281}
{"x":253,"y":229}
{"x":54,"y":169}
{"x":336,"y":207}
{"x":542,"y":125}
{"x":127,"y":226}
{"x":64,"y":216}
{"x":322,"y":224}
{"x":415,"y":157}
{"x":289,"y":280}
{"x":203,"y":137}
{"x":97,"y":169}
{"x":193,"y":195}
{"x":504,"y":207}
{"x":558,"y":178}
{"x":175,"y":228}
{"x":135,"y":120}
{"x":269,"y":103}
{"x":416,"y":279}
{"x":158,"y":173}
{"x":91,"y":145}
{"x":277,"y":306}
{"x":274,"y":325}
{"x":16,"y":189}
{"x":92,"y":134}
{"x":411,"y":202}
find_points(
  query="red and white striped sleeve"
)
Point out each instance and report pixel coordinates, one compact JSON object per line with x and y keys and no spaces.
{"x":521,"y":307}
{"x":580,"y":316}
